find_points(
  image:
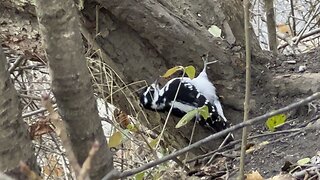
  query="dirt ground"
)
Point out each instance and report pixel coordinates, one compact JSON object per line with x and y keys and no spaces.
{"x":290,"y":146}
{"x":269,"y":159}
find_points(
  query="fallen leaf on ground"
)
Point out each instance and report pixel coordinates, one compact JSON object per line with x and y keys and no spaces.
{"x":115,"y":140}
{"x":255,"y":175}
{"x":275,"y":121}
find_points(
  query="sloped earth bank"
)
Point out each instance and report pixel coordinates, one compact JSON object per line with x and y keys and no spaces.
{"x":290,"y":146}
{"x":269,"y":159}
{"x":270,"y":154}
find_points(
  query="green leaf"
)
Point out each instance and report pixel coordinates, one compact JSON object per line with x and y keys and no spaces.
{"x":132,"y":128}
{"x":187,"y":118}
{"x":139,"y":176}
{"x":172,"y":71}
{"x":303,"y":161}
{"x":215,"y":31}
{"x":153,"y":143}
{"x":204,"y":112}
{"x":115,"y":139}
{"x":190,"y":71}
{"x":275,"y":121}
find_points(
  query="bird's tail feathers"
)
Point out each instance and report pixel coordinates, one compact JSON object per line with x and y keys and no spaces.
{"x":219,"y":110}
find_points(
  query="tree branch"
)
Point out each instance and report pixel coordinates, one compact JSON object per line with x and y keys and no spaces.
{"x":308,"y":34}
{"x":210,"y":138}
{"x":16,"y":64}
{"x":271,"y":25}
{"x":248,"y":74}
{"x":302,"y":173}
{"x":239,"y":140}
{"x":307,"y":24}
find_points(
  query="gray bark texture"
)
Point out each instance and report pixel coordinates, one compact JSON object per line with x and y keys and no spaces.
{"x":145,"y":38}
{"x":71,"y":85}
{"x":15,"y":143}
{"x":271,"y":25}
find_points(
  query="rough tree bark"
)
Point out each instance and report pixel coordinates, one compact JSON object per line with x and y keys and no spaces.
{"x":145,"y":38}
{"x":205,"y":13}
{"x":172,"y":41}
{"x":271,"y":24}
{"x":15,"y":142}
{"x":71,"y":85}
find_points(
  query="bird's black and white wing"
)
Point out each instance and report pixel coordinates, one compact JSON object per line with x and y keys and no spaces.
{"x":189,"y":98}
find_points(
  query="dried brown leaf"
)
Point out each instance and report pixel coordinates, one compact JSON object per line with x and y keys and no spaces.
{"x":282,"y":177}
{"x":122,"y":118}
{"x":255,"y":175}
{"x":42,"y":126}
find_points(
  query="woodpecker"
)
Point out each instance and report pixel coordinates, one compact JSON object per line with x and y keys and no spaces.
{"x":188,"y":98}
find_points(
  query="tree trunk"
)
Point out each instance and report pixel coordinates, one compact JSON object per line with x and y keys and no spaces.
{"x":71,"y":85}
{"x":206,"y":13}
{"x":144,"y":38}
{"x":156,"y":39}
{"x":271,"y":24}
{"x":15,"y":142}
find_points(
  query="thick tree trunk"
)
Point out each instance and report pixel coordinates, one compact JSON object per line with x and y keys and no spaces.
{"x":227,"y":15}
{"x":145,"y":38}
{"x":71,"y":85}
{"x":174,"y":42}
{"x":15,"y":143}
{"x":163,"y":41}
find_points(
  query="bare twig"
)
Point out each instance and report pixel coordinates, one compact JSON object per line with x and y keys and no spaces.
{"x":191,"y":137}
{"x":115,"y":174}
{"x":308,"y":34}
{"x":293,"y":19}
{"x":65,"y":164}
{"x":170,"y":110}
{"x":307,"y":24}
{"x":84,"y":172}
{"x":146,"y":142}
{"x":311,"y":170}
{"x":61,"y":131}
{"x":181,"y":164}
{"x":24,"y":168}
{"x":239,"y":140}
{"x":41,"y":110}
{"x":246,"y":4}
{"x":16,"y":64}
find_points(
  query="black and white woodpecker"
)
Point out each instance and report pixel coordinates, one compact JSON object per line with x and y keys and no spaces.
{"x":193,"y":93}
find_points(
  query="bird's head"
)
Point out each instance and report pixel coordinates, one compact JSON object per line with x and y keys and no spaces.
{"x":150,"y":95}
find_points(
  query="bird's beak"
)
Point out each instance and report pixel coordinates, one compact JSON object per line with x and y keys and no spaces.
{"x":156,"y":81}
{"x":155,"y":84}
